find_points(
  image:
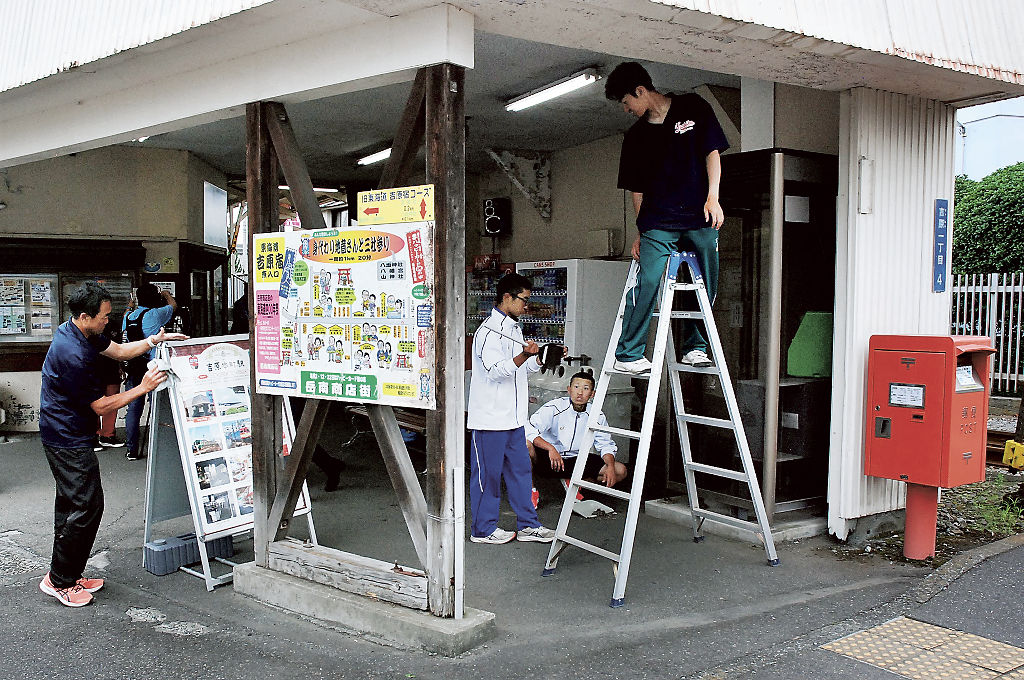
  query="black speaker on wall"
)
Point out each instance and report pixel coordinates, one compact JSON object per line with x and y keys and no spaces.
{"x":497,"y":216}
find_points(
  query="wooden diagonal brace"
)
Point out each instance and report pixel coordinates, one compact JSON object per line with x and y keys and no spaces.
{"x":409,"y":138}
{"x":295,"y":173}
{"x":307,"y":434}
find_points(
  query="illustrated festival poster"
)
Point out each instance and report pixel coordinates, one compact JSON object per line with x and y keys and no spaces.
{"x":348,"y":314}
{"x":214,"y":421}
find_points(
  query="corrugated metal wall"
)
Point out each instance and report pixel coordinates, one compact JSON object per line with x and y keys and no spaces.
{"x":41,"y":37}
{"x":975,"y":36}
{"x":883,"y":266}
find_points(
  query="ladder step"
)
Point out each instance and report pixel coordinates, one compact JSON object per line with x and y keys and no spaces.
{"x":690,"y":368}
{"x":588,"y":547}
{"x":683,"y":315}
{"x":632,"y":434}
{"x":705,"y":420}
{"x":601,"y":488}
{"x":726,"y":519}
{"x":637,"y":376}
{"x":685,"y":286}
{"x":717,"y":471}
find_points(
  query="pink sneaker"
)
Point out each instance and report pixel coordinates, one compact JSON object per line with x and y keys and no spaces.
{"x":565,"y":485}
{"x":90,"y":584}
{"x":75,"y":596}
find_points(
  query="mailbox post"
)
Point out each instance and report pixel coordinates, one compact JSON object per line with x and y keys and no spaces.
{"x":927,"y":417}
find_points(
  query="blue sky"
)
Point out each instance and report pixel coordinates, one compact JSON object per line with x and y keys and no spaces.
{"x":992,"y":143}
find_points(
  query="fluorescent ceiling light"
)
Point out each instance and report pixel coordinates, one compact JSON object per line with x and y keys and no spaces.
{"x":375,"y":157}
{"x":317,"y":189}
{"x":556,"y":89}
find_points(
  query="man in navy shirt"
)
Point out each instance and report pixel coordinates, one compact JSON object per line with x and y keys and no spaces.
{"x":72,"y":400}
{"x":670,"y":163}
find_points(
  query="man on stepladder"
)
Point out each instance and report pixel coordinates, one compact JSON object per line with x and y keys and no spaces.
{"x":497,"y":419}
{"x":670,"y":163}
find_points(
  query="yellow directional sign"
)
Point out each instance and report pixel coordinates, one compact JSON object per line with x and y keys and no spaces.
{"x":392,"y":206}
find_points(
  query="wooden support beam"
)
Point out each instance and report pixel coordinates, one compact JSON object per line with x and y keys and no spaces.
{"x":295,"y":173}
{"x":307,"y":434}
{"x":446,"y":170}
{"x":403,"y":475}
{"x":261,"y":194}
{"x":408,"y":139}
{"x":352,"y":573}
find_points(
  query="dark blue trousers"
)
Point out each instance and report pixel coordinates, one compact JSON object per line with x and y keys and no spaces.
{"x":493,"y":455}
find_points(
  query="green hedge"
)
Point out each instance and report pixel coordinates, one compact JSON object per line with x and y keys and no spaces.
{"x":988,"y":223}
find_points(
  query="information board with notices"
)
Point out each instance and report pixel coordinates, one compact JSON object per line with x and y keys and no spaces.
{"x":348,"y":314}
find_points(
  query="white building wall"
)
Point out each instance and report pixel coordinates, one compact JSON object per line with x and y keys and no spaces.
{"x":883,"y":267}
{"x":43,"y":37}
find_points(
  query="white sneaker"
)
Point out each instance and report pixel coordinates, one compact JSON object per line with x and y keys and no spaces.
{"x":641,"y":365}
{"x":697,"y":357}
{"x":497,"y":537}
{"x":539,"y":534}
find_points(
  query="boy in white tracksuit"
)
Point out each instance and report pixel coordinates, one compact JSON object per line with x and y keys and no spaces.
{"x":557,"y":429}
{"x":497,"y":417}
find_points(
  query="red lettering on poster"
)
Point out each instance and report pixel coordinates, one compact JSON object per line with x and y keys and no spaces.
{"x":419,"y":267}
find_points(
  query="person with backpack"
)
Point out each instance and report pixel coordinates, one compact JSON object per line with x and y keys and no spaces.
{"x":154,"y":311}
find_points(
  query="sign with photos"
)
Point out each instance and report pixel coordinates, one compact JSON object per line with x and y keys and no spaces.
{"x":213,"y":419}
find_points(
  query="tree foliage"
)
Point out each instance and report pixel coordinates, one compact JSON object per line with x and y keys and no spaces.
{"x":988,"y":223}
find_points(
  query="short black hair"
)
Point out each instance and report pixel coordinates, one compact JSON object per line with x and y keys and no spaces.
{"x":584,"y":375}
{"x":149,"y":296}
{"x":88,"y":299}
{"x":513,"y":284}
{"x":624,"y":79}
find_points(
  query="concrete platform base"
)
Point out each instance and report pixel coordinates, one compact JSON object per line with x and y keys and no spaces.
{"x":381,"y":621}
{"x":677,"y":510}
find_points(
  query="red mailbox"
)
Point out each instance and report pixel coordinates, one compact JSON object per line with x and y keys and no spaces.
{"x":927,"y":417}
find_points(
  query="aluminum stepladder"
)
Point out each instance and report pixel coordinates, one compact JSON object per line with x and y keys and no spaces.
{"x":665,"y":351}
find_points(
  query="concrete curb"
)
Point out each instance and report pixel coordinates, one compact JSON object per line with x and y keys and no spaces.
{"x":382,"y":621}
{"x":940,"y":579}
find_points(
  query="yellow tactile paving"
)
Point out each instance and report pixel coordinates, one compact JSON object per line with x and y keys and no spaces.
{"x":930,"y":665}
{"x":917,"y":633}
{"x":873,"y":649}
{"x":921,"y":651}
{"x":984,"y":652}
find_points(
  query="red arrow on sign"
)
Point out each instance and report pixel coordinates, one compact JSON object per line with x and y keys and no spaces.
{"x":371,"y":211}
{"x":423,"y":208}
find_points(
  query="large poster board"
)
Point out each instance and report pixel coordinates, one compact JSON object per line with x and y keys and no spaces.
{"x":213,"y":419}
{"x":348,"y":314}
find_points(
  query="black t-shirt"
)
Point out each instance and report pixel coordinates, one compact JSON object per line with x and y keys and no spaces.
{"x":666,"y":162}
{"x":70,"y":384}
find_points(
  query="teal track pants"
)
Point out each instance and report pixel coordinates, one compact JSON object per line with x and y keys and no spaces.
{"x":655,"y":247}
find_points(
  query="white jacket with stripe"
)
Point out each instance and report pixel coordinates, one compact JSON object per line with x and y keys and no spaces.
{"x":498,"y":393}
{"x":563,"y":426}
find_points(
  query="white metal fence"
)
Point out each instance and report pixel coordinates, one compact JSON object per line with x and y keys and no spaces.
{"x":992,"y":304}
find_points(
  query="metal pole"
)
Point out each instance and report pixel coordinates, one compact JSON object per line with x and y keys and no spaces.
{"x":772,"y":356}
